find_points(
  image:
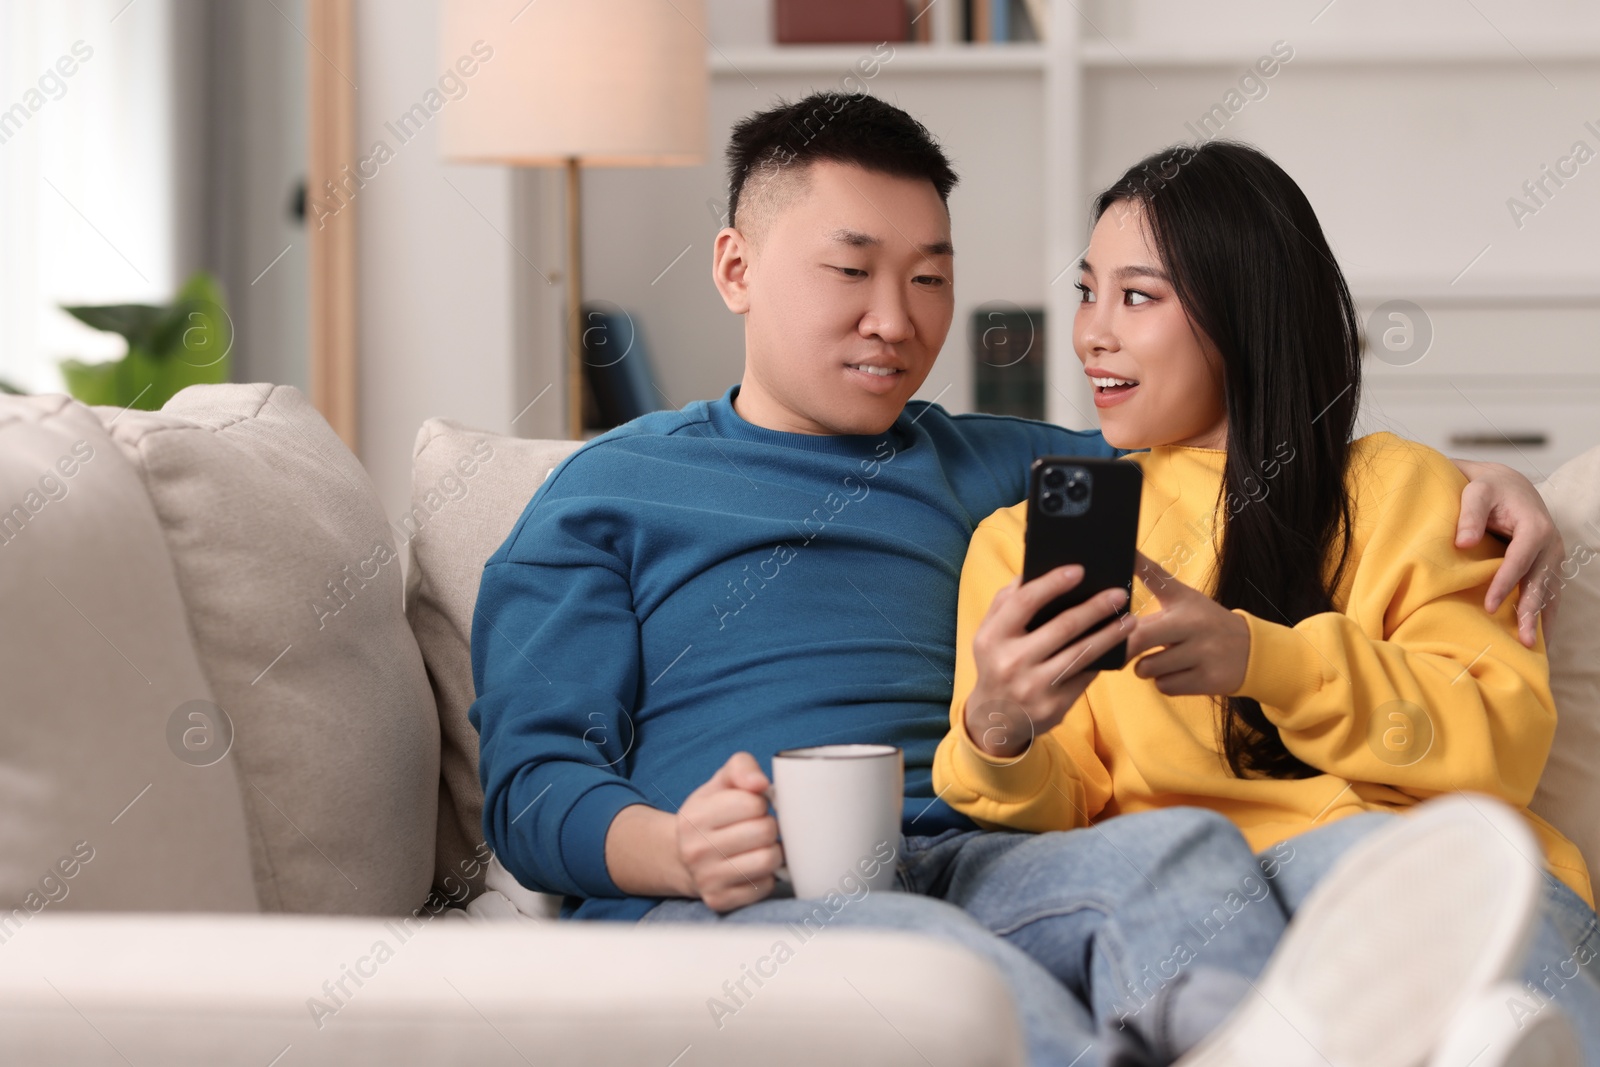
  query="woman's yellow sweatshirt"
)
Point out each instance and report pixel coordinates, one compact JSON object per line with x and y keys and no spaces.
{"x":1408,"y":690}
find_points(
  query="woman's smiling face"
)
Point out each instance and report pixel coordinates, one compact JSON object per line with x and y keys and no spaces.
{"x":1158,"y":380}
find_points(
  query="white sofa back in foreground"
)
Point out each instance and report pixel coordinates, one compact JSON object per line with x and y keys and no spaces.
{"x":215,"y":704}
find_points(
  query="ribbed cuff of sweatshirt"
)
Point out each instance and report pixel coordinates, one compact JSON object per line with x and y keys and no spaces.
{"x":1284,"y":667}
{"x":583,"y":837}
{"x":1008,"y":780}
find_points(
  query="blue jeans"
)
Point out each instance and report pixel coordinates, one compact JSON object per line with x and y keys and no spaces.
{"x":1563,"y":965}
{"x":1122,"y":943}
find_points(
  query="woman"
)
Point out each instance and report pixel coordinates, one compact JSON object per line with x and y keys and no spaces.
{"x":1311,"y":644}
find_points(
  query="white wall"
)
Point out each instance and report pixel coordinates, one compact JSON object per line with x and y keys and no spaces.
{"x":252,"y":104}
{"x":440,"y":310}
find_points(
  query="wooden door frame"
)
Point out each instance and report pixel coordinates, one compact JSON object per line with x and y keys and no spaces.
{"x":331,"y":237}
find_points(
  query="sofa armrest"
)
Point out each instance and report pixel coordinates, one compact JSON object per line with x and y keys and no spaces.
{"x":277,"y":989}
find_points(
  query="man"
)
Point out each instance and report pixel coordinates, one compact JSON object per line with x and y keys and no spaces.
{"x":692,"y":592}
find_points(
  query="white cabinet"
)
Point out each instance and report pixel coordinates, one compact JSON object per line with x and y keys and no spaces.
{"x":1511,"y":375}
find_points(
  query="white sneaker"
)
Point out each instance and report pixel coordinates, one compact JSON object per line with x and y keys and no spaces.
{"x":1486,"y":1033}
{"x":1412,"y":923}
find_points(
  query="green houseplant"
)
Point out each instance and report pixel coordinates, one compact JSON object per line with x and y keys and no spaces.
{"x":179,"y":344}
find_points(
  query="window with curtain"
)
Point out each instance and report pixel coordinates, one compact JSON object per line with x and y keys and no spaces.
{"x":91,"y":175}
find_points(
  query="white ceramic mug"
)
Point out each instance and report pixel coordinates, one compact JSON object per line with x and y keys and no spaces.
{"x":839,"y":809}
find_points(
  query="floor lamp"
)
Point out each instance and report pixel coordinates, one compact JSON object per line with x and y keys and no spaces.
{"x":576,"y":83}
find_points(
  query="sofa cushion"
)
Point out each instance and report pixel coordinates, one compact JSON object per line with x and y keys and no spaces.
{"x":292,"y":581}
{"x":468,"y":488}
{"x":1569,"y":792}
{"x":103,"y":805}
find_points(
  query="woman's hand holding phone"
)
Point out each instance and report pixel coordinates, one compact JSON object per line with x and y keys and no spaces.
{"x":1205,"y":648}
{"x":1027,"y":680}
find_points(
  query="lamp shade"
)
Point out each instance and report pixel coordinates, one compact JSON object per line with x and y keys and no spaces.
{"x":607,"y":82}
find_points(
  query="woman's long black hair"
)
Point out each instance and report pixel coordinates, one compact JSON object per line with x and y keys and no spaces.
{"x":1250,"y":265}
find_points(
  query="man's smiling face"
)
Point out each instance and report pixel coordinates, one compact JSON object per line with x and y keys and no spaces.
{"x":845,"y":278}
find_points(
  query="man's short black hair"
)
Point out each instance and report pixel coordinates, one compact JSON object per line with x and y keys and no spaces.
{"x":855,"y":128}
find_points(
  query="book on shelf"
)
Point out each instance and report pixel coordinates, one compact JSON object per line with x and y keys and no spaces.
{"x":947,"y":22}
{"x":994,"y":21}
{"x":841,"y":21}
{"x":1037,"y":19}
{"x":1008,"y":360}
{"x":616,"y":369}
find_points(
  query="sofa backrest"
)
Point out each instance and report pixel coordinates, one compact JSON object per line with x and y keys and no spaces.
{"x":1569,"y":791}
{"x":245,"y":531}
{"x":292,"y":581}
{"x":464,"y":512}
{"x":468,"y":489}
{"x":111,"y":795}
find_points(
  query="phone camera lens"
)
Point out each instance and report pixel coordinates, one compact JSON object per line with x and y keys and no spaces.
{"x":1065,"y":491}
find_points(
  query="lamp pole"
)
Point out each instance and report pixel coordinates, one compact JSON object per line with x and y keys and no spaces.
{"x":574,"y":302}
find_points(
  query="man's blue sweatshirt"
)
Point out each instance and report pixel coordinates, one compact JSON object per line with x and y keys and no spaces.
{"x":691,"y":585}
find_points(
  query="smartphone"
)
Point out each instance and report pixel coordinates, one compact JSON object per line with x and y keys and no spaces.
{"x":1083,"y":511}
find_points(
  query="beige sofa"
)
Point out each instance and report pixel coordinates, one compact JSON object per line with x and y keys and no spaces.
{"x":239,"y":804}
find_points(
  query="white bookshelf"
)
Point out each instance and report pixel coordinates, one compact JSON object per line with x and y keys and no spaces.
{"x":1520,"y":291}
{"x":920,"y":58}
{"x":1100,"y":53}
{"x":1408,"y":127}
